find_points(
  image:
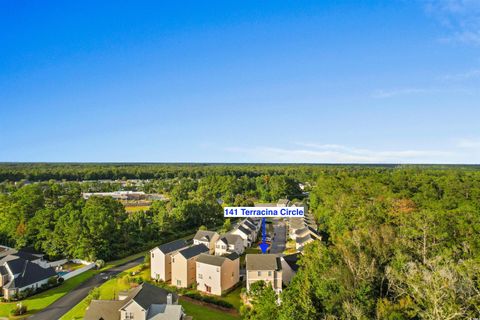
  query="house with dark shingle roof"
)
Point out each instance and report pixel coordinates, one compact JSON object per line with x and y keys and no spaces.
{"x":229,"y":243}
{"x":161,"y":259}
{"x":208,"y":238}
{"x":264,"y":267}
{"x":289,"y":267}
{"x":300,"y":242}
{"x":184,"y":265}
{"x":217,"y":274}
{"x":146,"y":302}
{"x":19,"y":274}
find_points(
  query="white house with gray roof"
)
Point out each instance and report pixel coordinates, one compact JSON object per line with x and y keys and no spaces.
{"x":161,"y":259}
{"x":229,"y":243}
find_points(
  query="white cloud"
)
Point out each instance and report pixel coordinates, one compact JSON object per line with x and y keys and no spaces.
{"x":460,"y":17}
{"x":468,"y":143}
{"x":382,"y":94}
{"x":471,"y":74}
{"x":333,"y":153}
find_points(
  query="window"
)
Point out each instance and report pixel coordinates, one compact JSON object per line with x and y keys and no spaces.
{"x":269,"y":273}
{"x":259,"y":273}
{"x":153,"y":255}
{"x":200,"y":276}
{"x":179,"y":282}
{"x":128,"y":315}
{"x":218,"y":269}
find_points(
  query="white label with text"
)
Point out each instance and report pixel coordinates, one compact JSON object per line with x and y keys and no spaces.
{"x":280,"y":212}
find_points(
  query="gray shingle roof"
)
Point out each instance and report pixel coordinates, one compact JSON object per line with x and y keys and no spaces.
{"x":230,"y":238}
{"x":146,"y":295}
{"x":263,"y":262}
{"x":193,"y":251}
{"x":244,"y":230}
{"x":304,"y":239}
{"x":249,"y":225}
{"x":204,"y":235}
{"x":104,"y":309}
{"x":29,"y":273}
{"x":172,"y":246}
{"x":216,"y":260}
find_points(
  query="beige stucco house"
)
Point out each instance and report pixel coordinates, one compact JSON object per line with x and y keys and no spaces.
{"x":217,"y":274}
{"x":184,"y":267}
{"x":208,"y":238}
{"x":161,"y":259}
{"x":229,"y":243}
{"x":264,"y":267}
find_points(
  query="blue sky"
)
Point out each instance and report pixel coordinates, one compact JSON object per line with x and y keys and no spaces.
{"x":240,"y":81}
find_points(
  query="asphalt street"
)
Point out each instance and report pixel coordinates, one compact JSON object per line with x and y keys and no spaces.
{"x":280,"y":238}
{"x":72,"y":298}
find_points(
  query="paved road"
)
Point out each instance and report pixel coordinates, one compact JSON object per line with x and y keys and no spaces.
{"x":68,"y":301}
{"x":280,"y":239}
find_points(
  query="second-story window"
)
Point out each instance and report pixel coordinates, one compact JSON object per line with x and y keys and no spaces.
{"x":259,"y":273}
{"x":200,"y":276}
{"x":269,"y":273}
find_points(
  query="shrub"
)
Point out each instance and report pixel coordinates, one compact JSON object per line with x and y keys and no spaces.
{"x":209,"y":299}
{"x":99,"y":263}
{"x":19,"y":310}
{"x":60,"y":280}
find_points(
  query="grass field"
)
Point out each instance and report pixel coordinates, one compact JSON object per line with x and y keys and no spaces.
{"x":233,"y":297}
{"x":136,"y":208}
{"x":199,"y":312}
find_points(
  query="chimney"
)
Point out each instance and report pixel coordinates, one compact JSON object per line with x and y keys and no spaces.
{"x":169,"y":298}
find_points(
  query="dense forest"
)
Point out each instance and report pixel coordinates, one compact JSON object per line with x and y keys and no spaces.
{"x":403,"y":241}
{"x":403,"y":244}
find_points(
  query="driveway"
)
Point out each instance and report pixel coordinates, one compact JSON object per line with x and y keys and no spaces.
{"x":71,"y":299}
{"x":279,"y":241}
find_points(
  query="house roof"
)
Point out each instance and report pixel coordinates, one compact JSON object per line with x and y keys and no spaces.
{"x":29,"y":273}
{"x":27,"y":255}
{"x":301,"y":231}
{"x":283,"y":201}
{"x":32,"y":251}
{"x":104,"y":309}
{"x":292,"y":261}
{"x":244,"y":230}
{"x":146,"y":295}
{"x":263,"y":262}
{"x":165,"y":312}
{"x":303,"y":239}
{"x":216,"y":260}
{"x":204,"y":235}
{"x":251,"y":220}
{"x":3,"y":271}
{"x":172,"y":246}
{"x":249,"y":225}
{"x":230,"y":238}
{"x":193,"y":251}
{"x":265,"y":204}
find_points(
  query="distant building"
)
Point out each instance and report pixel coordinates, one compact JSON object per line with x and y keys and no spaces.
{"x":216,"y":274}
{"x":161,"y":259}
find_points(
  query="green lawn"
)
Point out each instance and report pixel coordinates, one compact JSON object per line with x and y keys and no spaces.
{"x":199,"y":312}
{"x":233,"y":297}
{"x":108,"y":291}
{"x":42,"y":300}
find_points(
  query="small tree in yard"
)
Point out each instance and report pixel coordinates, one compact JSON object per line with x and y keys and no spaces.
{"x":100,"y":263}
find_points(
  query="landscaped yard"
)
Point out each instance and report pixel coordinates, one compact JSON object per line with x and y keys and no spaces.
{"x":233,"y":297}
{"x":200,"y":312}
{"x":42,"y":300}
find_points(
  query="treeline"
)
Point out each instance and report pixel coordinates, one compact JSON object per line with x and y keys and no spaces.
{"x":403,"y":244}
{"x":54,"y":219}
{"x":106,"y":171}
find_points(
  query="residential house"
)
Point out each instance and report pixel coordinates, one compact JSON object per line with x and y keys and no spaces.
{"x":208,"y":238}
{"x":22,"y":271}
{"x":283,"y":203}
{"x":229,"y":243}
{"x":300,"y":242}
{"x":264,"y":267}
{"x":289,"y":267}
{"x":161,"y":259}
{"x":252,"y":227}
{"x":145,"y":302}
{"x":246,"y":234}
{"x":184,"y":265}
{"x":217,"y":274}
